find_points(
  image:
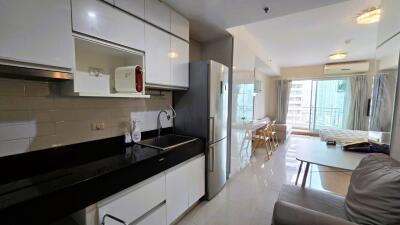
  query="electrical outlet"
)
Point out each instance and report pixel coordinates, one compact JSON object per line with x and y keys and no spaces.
{"x":98,"y":126}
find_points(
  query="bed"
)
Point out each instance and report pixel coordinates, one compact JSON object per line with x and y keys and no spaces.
{"x":343,"y":136}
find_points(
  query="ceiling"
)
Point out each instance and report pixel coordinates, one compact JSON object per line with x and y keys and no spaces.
{"x":308,"y":37}
{"x":209,"y":19}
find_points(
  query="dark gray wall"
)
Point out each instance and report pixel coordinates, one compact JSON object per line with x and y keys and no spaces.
{"x":220,"y":50}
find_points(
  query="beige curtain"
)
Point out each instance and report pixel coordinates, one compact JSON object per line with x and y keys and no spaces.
{"x":283,"y":92}
{"x":382,"y":102}
{"x":357,"y":116}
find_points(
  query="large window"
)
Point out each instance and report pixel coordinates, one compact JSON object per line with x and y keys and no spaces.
{"x":316,"y":104}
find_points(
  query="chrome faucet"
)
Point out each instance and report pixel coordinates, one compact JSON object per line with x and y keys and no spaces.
{"x":159,"y":121}
{"x":168,"y":118}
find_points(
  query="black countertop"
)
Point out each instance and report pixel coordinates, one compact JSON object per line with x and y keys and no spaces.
{"x":41,"y":187}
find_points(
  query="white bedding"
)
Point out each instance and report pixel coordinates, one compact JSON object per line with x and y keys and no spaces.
{"x":343,"y":136}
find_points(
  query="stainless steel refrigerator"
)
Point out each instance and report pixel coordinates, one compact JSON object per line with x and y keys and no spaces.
{"x":202,"y":111}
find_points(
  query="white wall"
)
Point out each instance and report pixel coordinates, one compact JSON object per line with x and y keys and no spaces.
{"x":248,"y":52}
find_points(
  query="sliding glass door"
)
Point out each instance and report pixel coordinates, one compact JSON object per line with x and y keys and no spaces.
{"x":317,"y":104}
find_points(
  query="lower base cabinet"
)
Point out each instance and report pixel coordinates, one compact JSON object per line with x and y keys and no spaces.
{"x":159,"y":200}
{"x":130,"y":205}
{"x":177,"y":191}
{"x":185,"y":185}
{"x":158,"y":217}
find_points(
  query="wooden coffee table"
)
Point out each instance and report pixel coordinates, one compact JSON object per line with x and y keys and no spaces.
{"x":314,"y":151}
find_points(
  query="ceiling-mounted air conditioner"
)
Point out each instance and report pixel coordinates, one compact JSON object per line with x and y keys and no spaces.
{"x":346,"y":68}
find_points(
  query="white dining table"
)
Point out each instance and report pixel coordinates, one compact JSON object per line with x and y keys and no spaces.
{"x":314,"y":151}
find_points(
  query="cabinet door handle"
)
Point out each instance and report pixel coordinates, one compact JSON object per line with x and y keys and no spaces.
{"x":113,"y":218}
{"x":161,"y":159}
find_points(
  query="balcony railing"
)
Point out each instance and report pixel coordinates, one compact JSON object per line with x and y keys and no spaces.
{"x":315,"y":118}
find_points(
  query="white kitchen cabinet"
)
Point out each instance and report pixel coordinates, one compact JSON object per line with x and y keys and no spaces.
{"x":179,"y":25}
{"x":389,"y":24}
{"x":37,"y":32}
{"x":136,"y":7}
{"x":184,"y":186}
{"x":177,"y":192}
{"x":133,"y":203}
{"x":158,"y":14}
{"x":158,"y":217}
{"x":95,"y":65}
{"x":179,"y":63}
{"x":167,"y":59}
{"x":158,"y":45}
{"x":196,"y":183}
{"x":100,"y":20}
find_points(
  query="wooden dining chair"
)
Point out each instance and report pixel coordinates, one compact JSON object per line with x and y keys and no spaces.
{"x":258,"y":138}
{"x":263,"y":138}
{"x":274,"y":135}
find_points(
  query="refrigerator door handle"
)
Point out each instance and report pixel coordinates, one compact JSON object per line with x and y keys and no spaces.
{"x":212,"y":153}
{"x":212,"y":127}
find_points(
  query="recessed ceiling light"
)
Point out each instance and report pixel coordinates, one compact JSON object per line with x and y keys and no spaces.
{"x":337,"y":56}
{"x":369,"y":16}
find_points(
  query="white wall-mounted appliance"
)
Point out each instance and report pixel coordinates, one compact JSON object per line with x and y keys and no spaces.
{"x":129,"y":79}
{"x":346,"y":68}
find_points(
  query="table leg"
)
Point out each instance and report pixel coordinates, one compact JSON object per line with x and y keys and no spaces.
{"x":303,"y":184}
{"x":298,"y":172}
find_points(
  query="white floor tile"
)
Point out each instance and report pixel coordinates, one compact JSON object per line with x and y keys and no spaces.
{"x":249,"y":196}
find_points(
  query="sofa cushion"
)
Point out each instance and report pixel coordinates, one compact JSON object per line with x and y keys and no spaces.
{"x":320,"y":201}
{"x":373,"y":196}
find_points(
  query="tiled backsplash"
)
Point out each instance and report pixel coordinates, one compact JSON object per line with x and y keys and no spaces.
{"x":34,"y":116}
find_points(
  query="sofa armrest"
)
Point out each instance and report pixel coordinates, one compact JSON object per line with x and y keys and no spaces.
{"x":286,"y":213}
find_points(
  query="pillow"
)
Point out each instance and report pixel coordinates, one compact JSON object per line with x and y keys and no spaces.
{"x":373,"y":196}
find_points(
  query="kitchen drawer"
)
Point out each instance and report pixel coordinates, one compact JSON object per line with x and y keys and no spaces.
{"x":134,"y":202}
{"x":98,"y":19}
{"x":157,"y":217}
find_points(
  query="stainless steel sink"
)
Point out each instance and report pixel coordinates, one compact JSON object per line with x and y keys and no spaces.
{"x":167,"y":141}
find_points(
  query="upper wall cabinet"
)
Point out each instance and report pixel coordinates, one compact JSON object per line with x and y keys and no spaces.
{"x":179,"y":63}
{"x":158,"y":14}
{"x":179,"y":25}
{"x":158,"y":47}
{"x":98,"y":19}
{"x":136,"y":7}
{"x":37,"y":32}
{"x":167,"y":60}
{"x":389,"y":24}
